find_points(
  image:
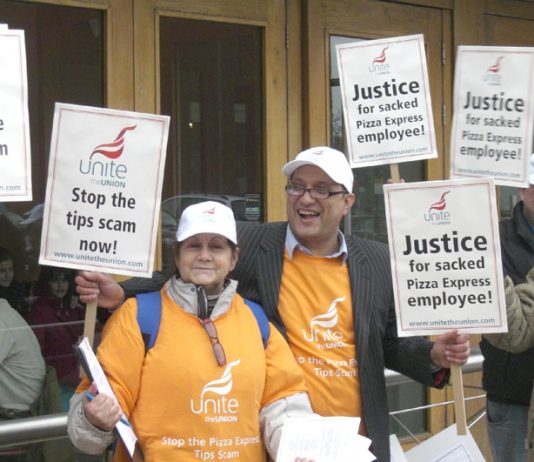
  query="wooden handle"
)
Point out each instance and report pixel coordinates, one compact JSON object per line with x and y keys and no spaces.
{"x":394,"y":173}
{"x":459,"y":403}
{"x":89,"y":326}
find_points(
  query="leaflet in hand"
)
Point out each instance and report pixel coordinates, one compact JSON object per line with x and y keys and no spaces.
{"x":325,"y":439}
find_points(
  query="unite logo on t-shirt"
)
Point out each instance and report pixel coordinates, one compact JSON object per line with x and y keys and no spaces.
{"x":322,"y":329}
{"x":213,"y":403}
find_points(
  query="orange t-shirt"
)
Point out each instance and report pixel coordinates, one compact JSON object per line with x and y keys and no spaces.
{"x":181,"y":404}
{"x":316,"y":308}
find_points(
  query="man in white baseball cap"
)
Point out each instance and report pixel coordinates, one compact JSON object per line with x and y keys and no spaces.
{"x":319,"y":195}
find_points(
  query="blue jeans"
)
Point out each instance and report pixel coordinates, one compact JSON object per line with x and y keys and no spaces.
{"x":507,"y":431}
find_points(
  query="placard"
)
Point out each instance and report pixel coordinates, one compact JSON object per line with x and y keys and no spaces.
{"x":493,"y":114}
{"x":445,"y":257}
{"x":15,"y":152}
{"x":385,"y":95}
{"x":104,"y":189}
{"x":446,"y":446}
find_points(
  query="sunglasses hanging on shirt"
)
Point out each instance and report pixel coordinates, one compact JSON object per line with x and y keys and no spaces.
{"x":209,"y":326}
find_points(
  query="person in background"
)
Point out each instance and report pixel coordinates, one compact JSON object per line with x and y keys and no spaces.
{"x":11,"y":289}
{"x":31,"y":234}
{"x":331,"y":296}
{"x":57,"y":319}
{"x":519,"y":338}
{"x":508,"y":383}
{"x":22,"y":371}
{"x":209,"y":380}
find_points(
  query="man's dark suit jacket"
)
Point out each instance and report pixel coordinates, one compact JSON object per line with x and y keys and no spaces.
{"x":259,"y":272}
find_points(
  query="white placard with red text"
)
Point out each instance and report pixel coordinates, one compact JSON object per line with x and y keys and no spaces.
{"x":104,"y":190}
{"x":385,"y":95}
{"x":493,"y":114}
{"x":15,"y":153}
{"x":445,"y":257}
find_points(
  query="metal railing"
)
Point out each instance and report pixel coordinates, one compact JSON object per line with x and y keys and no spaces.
{"x":43,"y":428}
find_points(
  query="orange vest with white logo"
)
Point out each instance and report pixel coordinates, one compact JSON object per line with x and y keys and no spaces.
{"x":316,"y":308}
{"x":181,"y":404}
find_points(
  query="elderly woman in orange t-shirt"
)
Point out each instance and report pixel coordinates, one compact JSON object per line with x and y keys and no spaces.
{"x":210,"y":388}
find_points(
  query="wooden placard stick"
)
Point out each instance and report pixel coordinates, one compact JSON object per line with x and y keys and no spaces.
{"x":89,"y":326}
{"x":459,"y":403}
{"x":394,"y":173}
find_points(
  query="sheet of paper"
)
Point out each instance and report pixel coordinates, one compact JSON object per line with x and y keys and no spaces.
{"x":446,"y":446}
{"x":325,"y":439}
{"x":395,"y":449}
{"x":97,"y":373}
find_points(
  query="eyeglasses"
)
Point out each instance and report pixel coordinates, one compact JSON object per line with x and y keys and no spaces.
{"x":316,"y":193}
{"x":218,"y":349}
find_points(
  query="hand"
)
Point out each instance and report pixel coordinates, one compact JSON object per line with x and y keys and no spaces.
{"x":101,"y":411}
{"x":450,"y":348}
{"x":101,"y":287}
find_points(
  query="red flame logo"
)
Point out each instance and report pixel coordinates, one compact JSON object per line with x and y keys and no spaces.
{"x":496,"y":66}
{"x":210,"y":211}
{"x":114,"y":149}
{"x":441,"y":204}
{"x":381,"y":58}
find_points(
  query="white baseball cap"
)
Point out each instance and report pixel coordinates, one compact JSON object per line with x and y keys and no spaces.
{"x":331,"y":161}
{"x":531,"y":171}
{"x":207,"y":217}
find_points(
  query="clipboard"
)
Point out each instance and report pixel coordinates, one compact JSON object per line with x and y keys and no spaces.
{"x":95,"y":373}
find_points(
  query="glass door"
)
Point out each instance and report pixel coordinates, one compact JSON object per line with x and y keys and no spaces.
{"x":220,"y":73}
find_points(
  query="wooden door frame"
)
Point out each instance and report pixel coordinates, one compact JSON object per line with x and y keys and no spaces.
{"x":319,"y":24}
{"x":271,"y":16}
{"x":118,"y":48}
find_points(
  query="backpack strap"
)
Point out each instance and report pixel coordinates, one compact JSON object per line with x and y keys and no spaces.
{"x":149,"y":316}
{"x":261,"y":319}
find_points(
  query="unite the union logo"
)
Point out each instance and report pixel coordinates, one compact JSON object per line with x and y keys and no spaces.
{"x":213,"y":402}
{"x":493,"y":75}
{"x":437,"y":213}
{"x":107,"y":172}
{"x":379,"y":64}
{"x":322,"y":328}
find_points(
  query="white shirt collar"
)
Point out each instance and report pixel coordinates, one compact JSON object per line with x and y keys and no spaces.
{"x":292,"y":244}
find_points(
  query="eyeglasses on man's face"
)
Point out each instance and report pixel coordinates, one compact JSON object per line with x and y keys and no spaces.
{"x":218,"y":349}
{"x":317,"y":193}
